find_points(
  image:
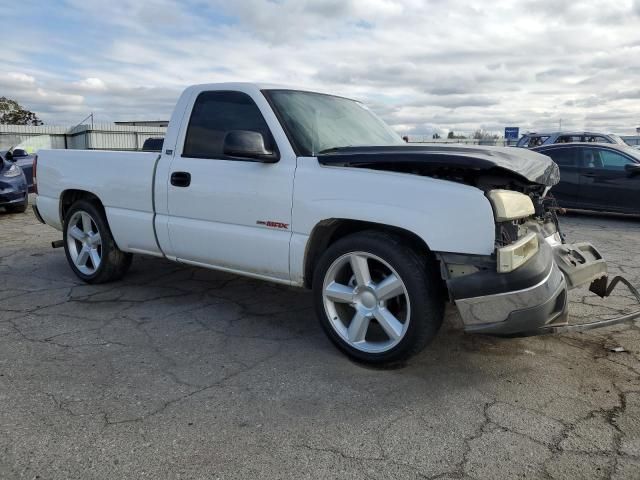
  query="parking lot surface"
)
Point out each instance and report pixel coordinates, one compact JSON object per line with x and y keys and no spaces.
{"x":180,"y":372}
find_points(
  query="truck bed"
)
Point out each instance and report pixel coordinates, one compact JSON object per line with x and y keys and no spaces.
{"x":122,"y":180}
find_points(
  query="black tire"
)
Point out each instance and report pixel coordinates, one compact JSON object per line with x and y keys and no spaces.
{"x":420,"y":274}
{"x":21,"y":207}
{"x":114,"y":262}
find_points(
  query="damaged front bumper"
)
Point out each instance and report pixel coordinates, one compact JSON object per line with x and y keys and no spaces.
{"x":532,"y":300}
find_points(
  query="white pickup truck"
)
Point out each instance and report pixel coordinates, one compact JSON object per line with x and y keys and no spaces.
{"x":315,"y":191}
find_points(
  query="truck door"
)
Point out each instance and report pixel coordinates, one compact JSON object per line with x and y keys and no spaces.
{"x":228,"y":212}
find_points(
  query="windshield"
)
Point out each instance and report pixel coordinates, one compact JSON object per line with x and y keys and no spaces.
{"x":316,"y":122}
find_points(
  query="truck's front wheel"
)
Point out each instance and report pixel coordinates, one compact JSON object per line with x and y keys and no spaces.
{"x":91,"y":250}
{"x":377,"y":298}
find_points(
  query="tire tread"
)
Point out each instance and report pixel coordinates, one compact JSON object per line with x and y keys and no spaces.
{"x":421,"y":276}
{"x":115,"y":263}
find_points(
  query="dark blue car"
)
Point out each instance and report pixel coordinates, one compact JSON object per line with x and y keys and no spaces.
{"x":16,"y":180}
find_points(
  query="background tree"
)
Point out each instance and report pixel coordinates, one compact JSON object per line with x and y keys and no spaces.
{"x":454,"y":136}
{"x":12,"y":113}
{"x":482,"y":134}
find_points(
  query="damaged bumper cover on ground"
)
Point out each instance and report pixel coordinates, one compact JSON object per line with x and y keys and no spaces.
{"x":532,"y":300}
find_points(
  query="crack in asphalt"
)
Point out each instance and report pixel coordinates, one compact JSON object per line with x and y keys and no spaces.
{"x":133,"y":357}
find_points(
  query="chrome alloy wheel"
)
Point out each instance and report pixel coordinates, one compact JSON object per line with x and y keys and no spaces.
{"x":84,"y":243}
{"x":366,"y":302}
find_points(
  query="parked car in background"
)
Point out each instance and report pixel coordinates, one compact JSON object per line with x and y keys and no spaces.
{"x":153,"y":144}
{"x":532,"y":140}
{"x":602,"y":177}
{"x":14,"y":195}
{"x":25,"y":161}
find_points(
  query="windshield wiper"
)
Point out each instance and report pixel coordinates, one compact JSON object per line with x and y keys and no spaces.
{"x":332,"y":149}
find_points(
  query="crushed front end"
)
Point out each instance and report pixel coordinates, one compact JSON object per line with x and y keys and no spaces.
{"x":522,"y":289}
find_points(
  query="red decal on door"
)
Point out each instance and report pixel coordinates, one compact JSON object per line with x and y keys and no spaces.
{"x":271,"y":224}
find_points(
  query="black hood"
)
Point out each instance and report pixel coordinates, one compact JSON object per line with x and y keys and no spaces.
{"x":446,"y":160}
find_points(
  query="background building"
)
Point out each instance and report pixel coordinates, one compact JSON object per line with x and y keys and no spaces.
{"x":98,"y":136}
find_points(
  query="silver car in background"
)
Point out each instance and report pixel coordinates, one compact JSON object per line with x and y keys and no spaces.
{"x":532,"y":140}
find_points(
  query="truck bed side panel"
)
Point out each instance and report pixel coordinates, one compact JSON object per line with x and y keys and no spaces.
{"x":121,"y":180}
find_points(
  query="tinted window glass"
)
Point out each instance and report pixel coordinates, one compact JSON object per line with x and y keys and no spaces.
{"x":613,"y":160}
{"x":569,"y":139}
{"x":537,"y":141}
{"x":152,"y":145}
{"x":603,"y":159}
{"x":596,"y":139}
{"x":216,"y":113}
{"x":564,"y":157}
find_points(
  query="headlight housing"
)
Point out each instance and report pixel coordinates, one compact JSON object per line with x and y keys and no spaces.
{"x":510,"y":205}
{"x":514,"y":255}
{"x":14,"y":171}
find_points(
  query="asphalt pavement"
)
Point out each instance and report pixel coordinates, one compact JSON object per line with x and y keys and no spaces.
{"x":179,"y":372}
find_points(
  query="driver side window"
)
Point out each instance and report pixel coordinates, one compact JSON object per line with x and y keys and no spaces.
{"x":214,"y":114}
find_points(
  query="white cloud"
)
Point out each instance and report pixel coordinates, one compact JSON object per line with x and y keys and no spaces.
{"x":20,"y":78}
{"x":90,"y":83}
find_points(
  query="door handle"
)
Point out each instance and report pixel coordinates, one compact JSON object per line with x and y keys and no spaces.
{"x":589,"y":174}
{"x":180,"y":179}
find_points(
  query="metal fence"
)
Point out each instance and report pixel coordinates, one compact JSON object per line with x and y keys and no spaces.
{"x":107,"y":136}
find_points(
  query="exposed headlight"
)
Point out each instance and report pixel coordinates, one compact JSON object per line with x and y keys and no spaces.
{"x":510,"y":205}
{"x":516,"y":254}
{"x":14,"y":171}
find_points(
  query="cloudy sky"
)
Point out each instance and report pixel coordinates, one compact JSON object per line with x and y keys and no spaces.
{"x":424,"y":66}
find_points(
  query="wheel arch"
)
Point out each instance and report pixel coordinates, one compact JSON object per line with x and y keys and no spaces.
{"x":70,"y":196}
{"x":328,"y":231}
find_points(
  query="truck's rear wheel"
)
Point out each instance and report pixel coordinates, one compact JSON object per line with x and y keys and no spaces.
{"x":88,"y":243}
{"x":377,"y":299}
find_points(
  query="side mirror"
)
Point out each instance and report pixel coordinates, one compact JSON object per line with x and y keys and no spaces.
{"x":8,"y":156}
{"x":18,"y":152}
{"x":248,"y":144}
{"x":632,"y":168}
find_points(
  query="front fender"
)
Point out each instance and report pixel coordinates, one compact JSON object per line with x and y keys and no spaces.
{"x":447,"y":216}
